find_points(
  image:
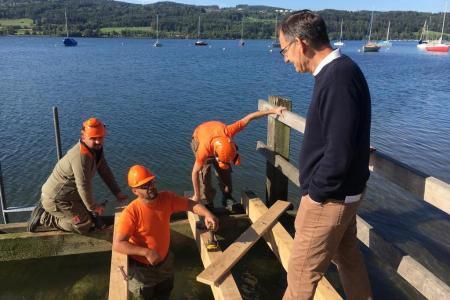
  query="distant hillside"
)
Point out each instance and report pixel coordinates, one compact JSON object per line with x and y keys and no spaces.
{"x":112,"y":18}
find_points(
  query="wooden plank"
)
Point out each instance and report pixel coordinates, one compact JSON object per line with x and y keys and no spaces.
{"x":280,"y":241}
{"x":118,"y":280}
{"x":289,"y":118}
{"x":288,"y":169}
{"x":430,"y":189}
{"x":407,"y":267}
{"x":13,"y":227}
{"x":227,"y":288}
{"x":25,"y":245}
{"x":278,"y":137}
{"x":223,"y":264}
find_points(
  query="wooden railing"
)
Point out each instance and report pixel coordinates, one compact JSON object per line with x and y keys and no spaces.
{"x":430,"y":189}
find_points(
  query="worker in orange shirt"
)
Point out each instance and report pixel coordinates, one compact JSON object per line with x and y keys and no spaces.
{"x":143,"y":232}
{"x":212,"y":144}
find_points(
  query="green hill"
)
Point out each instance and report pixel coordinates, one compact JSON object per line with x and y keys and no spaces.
{"x":93,"y":18}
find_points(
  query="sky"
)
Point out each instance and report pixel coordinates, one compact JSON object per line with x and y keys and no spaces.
{"x":353,"y":5}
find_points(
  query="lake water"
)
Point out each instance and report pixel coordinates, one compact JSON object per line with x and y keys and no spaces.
{"x":152,"y":98}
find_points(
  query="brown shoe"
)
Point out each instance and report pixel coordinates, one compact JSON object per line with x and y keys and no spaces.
{"x":35,"y":219}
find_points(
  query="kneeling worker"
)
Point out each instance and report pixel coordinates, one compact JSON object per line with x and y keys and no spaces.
{"x":143,"y":233}
{"x":212,"y":145}
{"x":67,"y":202}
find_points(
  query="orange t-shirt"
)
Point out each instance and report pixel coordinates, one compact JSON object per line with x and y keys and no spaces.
{"x":206,"y":132}
{"x":148,"y":224}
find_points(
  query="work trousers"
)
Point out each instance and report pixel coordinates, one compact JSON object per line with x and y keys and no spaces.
{"x":151,"y":282}
{"x":326,"y":232}
{"x":207,"y":192}
{"x":66,"y":212}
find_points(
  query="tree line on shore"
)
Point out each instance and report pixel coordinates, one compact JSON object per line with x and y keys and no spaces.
{"x":107,"y":18}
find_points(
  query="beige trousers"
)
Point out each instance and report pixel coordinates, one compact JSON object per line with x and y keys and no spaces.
{"x":326,"y":232}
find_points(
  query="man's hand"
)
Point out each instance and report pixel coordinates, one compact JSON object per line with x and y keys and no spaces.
{"x":121,"y":197}
{"x":99,"y":210}
{"x":278,"y":110}
{"x":211,"y":222}
{"x":152,"y":256}
{"x":195,"y":198}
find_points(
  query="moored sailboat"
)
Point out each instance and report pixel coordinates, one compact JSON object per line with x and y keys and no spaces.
{"x":386,"y":43}
{"x":340,"y":43}
{"x":439,"y":46}
{"x":68,"y":42}
{"x":241,"y":41}
{"x":276,"y":43}
{"x":199,"y":42}
{"x":371,"y":46}
{"x":157,"y":43}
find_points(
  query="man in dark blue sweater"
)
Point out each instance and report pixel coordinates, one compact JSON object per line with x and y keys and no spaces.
{"x":333,"y":161}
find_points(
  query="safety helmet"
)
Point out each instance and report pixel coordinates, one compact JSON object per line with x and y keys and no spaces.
{"x":93,"y":127}
{"x":225,"y":151}
{"x":139,"y":175}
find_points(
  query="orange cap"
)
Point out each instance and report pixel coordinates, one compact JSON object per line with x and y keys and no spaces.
{"x":93,"y":127}
{"x":139,"y":175}
{"x":225,"y":151}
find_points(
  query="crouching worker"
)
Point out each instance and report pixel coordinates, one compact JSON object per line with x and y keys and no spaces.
{"x":143,"y":233}
{"x":66,"y":201}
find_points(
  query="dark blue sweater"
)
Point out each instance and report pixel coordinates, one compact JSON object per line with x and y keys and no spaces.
{"x":335,"y":153}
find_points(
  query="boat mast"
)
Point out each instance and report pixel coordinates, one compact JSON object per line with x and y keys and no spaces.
{"x":443,"y":22}
{"x":65,"y":15}
{"x":370,"y":29}
{"x":157,"y":27}
{"x":340,"y":37}
{"x":387,"y":35}
{"x":276,"y":26}
{"x":198,"y":30}
{"x":242,"y":29}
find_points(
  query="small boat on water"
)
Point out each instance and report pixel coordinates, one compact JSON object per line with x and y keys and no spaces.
{"x":423,"y":39}
{"x":371,"y":46}
{"x":276,"y":43}
{"x":439,"y":46}
{"x":68,"y":42}
{"x":199,"y":42}
{"x":340,"y":43}
{"x":241,"y":41}
{"x":157,"y":43}
{"x":386,"y":43}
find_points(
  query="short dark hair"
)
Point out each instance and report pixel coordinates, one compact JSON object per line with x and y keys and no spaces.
{"x":306,"y":25}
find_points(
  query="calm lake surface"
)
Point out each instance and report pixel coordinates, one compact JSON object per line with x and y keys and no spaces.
{"x":152,"y":99}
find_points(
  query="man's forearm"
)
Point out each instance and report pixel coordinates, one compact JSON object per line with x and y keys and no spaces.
{"x":126,"y":247}
{"x":198,"y":209}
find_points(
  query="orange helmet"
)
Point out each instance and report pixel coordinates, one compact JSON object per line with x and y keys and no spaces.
{"x":139,"y":175}
{"x":93,"y":127}
{"x":225,"y":151}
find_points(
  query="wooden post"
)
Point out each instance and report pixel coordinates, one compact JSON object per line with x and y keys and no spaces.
{"x":278,"y":139}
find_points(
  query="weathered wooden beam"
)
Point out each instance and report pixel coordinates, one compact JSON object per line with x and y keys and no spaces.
{"x":282,"y":164}
{"x":280,"y":241}
{"x":13,"y":227}
{"x":430,"y":189}
{"x":227,"y":288}
{"x":407,"y":267}
{"x":223,"y":264}
{"x":278,"y":139}
{"x":25,"y":245}
{"x":118,"y":278}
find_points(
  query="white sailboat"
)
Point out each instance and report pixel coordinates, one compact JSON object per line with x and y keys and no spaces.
{"x":371,"y":46}
{"x":340,"y":43}
{"x":241,"y":41}
{"x":423,"y":40}
{"x":386,"y":43}
{"x":439,"y":46}
{"x":157,"y":43}
{"x":276,"y":43}
{"x":199,"y":42}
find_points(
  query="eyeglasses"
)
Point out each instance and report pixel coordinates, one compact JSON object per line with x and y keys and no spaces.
{"x":285,"y":49}
{"x":148,"y":185}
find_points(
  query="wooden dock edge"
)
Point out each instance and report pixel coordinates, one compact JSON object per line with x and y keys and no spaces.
{"x":280,"y":241}
{"x":118,"y":280}
{"x":407,"y":267}
{"x":227,"y":288}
